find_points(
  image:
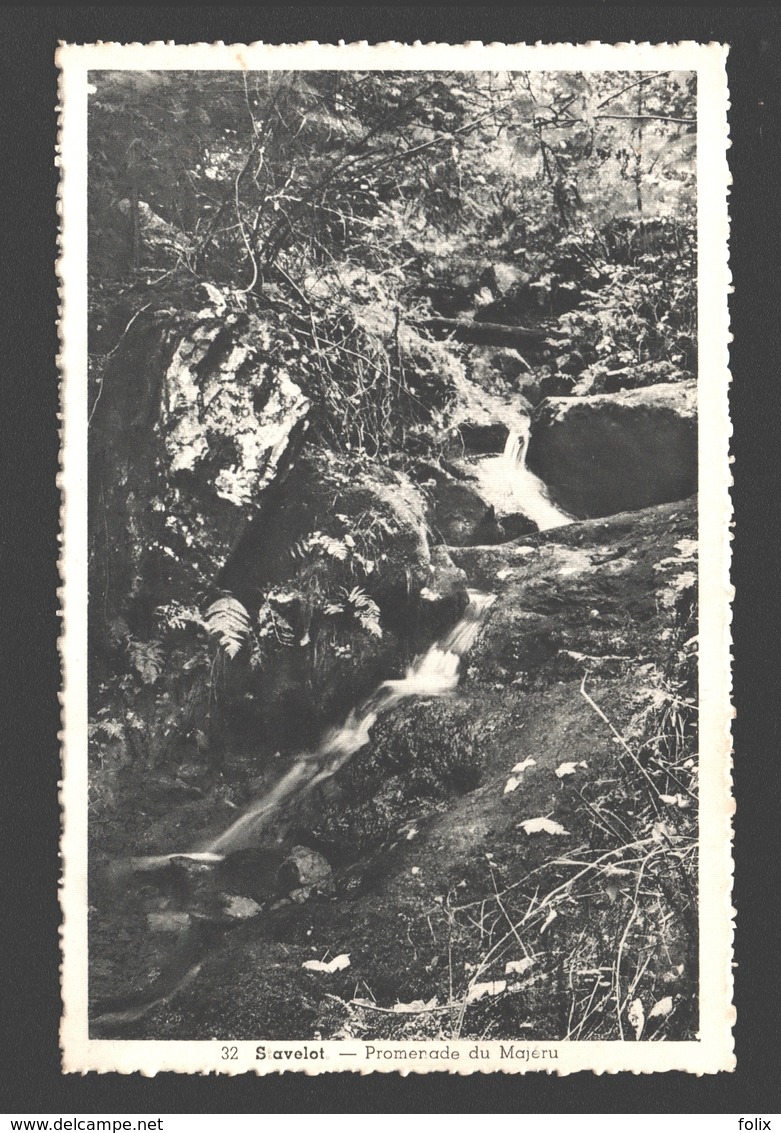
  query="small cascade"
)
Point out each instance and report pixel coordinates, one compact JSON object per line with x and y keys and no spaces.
{"x":435,"y":673}
{"x":507,"y":483}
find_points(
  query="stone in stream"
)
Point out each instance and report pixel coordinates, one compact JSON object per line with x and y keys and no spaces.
{"x":305,"y":869}
{"x":480,"y":421}
{"x":617,"y":452}
{"x":459,"y":515}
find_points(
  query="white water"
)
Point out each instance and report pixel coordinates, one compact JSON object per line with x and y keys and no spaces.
{"x":435,"y":673}
{"x":507,"y":483}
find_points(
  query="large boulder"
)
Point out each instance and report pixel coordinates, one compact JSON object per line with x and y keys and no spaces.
{"x":196,"y":418}
{"x":458,"y":514}
{"x":339,"y":552}
{"x":480,"y":420}
{"x":592,"y":592}
{"x":617,"y":452}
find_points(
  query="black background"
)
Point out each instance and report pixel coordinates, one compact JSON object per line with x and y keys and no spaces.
{"x":29,"y":1071}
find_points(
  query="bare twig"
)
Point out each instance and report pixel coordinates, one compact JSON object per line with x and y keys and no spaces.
{"x":110,"y":354}
{"x":631,"y":86}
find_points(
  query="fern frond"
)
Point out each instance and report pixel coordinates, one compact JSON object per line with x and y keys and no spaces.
{"x":272,"y":624}
{"x":336,"y":548}
{"x":228,"y":620}
{"x":366,"y":611}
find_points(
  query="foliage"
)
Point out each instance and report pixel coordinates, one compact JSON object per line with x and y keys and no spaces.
{"x":278,"y":184}
{"x":313,"y":219}
{"x":641,"y":310}
{"x":291,"y":233}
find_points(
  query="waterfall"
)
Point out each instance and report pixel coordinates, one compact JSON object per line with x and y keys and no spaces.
{"x":530,"y":492}
{"x":435,"y":673}
{"x":506,"y":482}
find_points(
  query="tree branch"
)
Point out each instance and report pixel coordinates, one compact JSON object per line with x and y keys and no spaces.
{"x":647,"y":118}
{"x":636,"y":83}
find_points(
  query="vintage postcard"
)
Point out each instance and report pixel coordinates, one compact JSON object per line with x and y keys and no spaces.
{"x":395,"y":572}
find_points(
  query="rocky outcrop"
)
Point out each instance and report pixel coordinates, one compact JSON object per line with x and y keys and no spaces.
{"x":613,"y":452}
{"x":600,"y":378}
{"x":480,"y":421}
{"x":196,"y":419}
{"x":604,"y":589}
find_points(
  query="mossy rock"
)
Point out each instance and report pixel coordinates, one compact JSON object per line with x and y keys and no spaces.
{"x":420,"y":756}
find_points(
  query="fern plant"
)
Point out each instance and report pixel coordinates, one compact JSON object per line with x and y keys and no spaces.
{"x":147,"y":658}
{"x":360,"y":606}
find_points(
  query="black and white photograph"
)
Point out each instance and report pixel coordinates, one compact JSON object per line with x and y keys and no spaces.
{"x":395,"y":567}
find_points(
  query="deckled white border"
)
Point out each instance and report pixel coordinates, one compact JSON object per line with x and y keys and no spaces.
{"x":714,"y":1051}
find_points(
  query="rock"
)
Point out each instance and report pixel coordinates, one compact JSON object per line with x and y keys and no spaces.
{"x":459,"y":516}
{"x":442,"y":602}
{"x":516,"y":525}
{"x":480,"y":421}
{"x":556,"y":385}
{"x":446,"y":578}
{"x":253,"y":872}
{"x":632,"y":569}
{"x":530,"y":390}
{"x":457,"y":512}
{"x":168,"y":921}
{"x":483,"y":438}
{"x":487,"y":364}
{"x":304,"y":869}
{"x":502,"y":278}
{"x":240,"y":908}
{"x":616,"y":452}
{"x":197,"y":420}
{"x":598,"y":379}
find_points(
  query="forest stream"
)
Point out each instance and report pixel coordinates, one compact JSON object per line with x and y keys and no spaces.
{"x":392,"y":515}
{"x":504,"y":480}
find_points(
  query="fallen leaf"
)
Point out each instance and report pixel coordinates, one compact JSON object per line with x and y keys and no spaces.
{"x":515,"y":967}
{"x":336,"y":965}
{"x":541,"y":826}
{"x":660,"y":832}
{"x":477,"y":991}
{"x":678,"y":800}
{"x":521,"y":767}
{"x":415,"y":1005}
{"x":661,"y":1008}
{"x":511,"y":784}
{"x":636,"y":1016}
{"x":569,"y":768}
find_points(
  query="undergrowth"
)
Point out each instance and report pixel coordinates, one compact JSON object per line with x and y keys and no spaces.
{"x":599,"y":942}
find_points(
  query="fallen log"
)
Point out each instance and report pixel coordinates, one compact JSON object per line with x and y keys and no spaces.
{"x":483,"y":334}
